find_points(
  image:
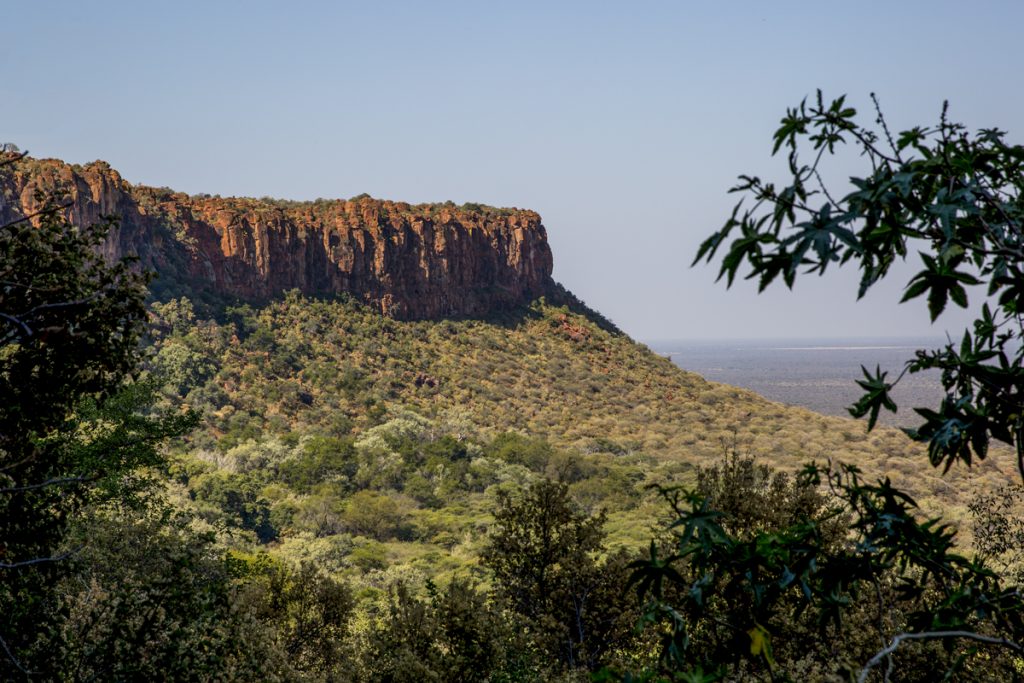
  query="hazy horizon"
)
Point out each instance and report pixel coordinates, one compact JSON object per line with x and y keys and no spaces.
{"x":623,"y":126}
{"x":892,"y":341}
{"x":817,"y":374}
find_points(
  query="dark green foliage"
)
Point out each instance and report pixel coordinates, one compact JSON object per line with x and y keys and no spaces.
{"x":775,"y":581}
{"x":322,"y":459}
{"x":69,"y":330}
{"x":241,"y":427}
{"x":456,"y":634}
{"x":402,"y":648}
{"x":376,"y":515}
{"x":182,"y":368}
{"x":521,"y":450}
{"x":543,"y":552}
{"x":998,"y":530}
{"x":62,"y":304}
{"x":239,"y":497}
{"x":148,"y":599}
{"x":754,"y":499}
{"x":368,"y":557}
{"x":954,"y":196}
{"x":308,"y":613}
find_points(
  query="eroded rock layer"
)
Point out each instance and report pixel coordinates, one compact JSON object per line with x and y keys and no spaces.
{"x":422,"y":261}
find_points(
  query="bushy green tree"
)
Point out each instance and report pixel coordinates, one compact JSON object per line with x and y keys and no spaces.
{"x":377,"y":515}
{"x":238,"y":498}
{"x":545,"y":556}
{"x":70,"y":432}
{"x":753,"y":498}
{"x":453,"y":634}
{"x":148,"y":598}
{"x":522,"y":450}
{"x":320,"y":459}
{"x":306,"y":614}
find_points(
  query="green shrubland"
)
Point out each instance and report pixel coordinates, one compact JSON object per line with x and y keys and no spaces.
{"x":306,"y":403}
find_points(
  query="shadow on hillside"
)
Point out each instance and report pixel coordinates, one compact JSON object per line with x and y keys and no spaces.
{"x":210,"y":303}
{"x":560,"y":296}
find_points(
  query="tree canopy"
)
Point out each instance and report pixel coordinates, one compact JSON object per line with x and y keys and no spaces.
{"x":71,"y":431}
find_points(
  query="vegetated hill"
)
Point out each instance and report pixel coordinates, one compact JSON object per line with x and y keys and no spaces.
{"x":406,"y":261}
{"x":364,"y":442}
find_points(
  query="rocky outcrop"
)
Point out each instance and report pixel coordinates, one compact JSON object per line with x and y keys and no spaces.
{"x":422,"y":261}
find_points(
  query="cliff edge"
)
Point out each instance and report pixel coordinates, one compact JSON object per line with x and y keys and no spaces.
{"x":408,"y":261}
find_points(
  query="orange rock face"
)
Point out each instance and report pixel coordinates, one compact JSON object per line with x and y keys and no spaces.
{"x":424,"y":261}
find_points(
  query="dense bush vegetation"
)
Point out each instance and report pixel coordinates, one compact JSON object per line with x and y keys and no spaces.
{"x":409,"y":460}
{"x":313,"y":401}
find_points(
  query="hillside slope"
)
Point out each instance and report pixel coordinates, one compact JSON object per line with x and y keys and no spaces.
{"x":317,"y":411}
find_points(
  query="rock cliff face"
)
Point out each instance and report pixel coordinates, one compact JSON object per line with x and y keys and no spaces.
{"x":423,"y":261}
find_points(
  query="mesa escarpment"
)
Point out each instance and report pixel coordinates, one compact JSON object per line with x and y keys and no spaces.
{"x":422,"y":261}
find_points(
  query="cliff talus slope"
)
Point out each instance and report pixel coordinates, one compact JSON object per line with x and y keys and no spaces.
{"x":422,"y":261}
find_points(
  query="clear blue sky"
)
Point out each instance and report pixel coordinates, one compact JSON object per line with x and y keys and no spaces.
{"x":623,"y":124}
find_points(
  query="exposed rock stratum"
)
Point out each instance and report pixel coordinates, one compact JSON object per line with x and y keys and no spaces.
{"x":408,"y":261}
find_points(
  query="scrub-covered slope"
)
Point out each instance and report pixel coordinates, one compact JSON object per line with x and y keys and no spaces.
{"x":367,"y":442}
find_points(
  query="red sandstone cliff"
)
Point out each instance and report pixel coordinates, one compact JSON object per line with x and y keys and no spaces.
{"x":423,"y":261}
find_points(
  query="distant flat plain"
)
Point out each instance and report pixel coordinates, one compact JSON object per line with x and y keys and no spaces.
{"x":819,"y":374}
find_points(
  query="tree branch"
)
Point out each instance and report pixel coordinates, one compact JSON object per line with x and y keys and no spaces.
{"x":18,"y":156}
{"x":932,"y":635}
{"x":41,"y":212}
{"x":27,"y":331}
{"x":885,"y":129}
{"x":50,"y":482}
{"x":65,"y":304}
{"x":37,"y":560}
{"x":32,"y":312}
{"x":1020,"y":450}
{"x":14,"y":660}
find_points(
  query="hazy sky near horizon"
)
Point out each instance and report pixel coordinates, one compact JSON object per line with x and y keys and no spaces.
{"x":622,"y":124}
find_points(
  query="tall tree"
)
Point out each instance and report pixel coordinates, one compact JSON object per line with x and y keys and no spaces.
{"x":544,"y":555}
{"x":70,"y":431}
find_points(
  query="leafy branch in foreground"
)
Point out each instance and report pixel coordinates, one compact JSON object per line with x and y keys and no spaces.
{"x":955,"y":197}
{"x":833,"y":587}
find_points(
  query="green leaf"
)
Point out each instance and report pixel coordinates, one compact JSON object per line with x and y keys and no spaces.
{"x":875,"y":398}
